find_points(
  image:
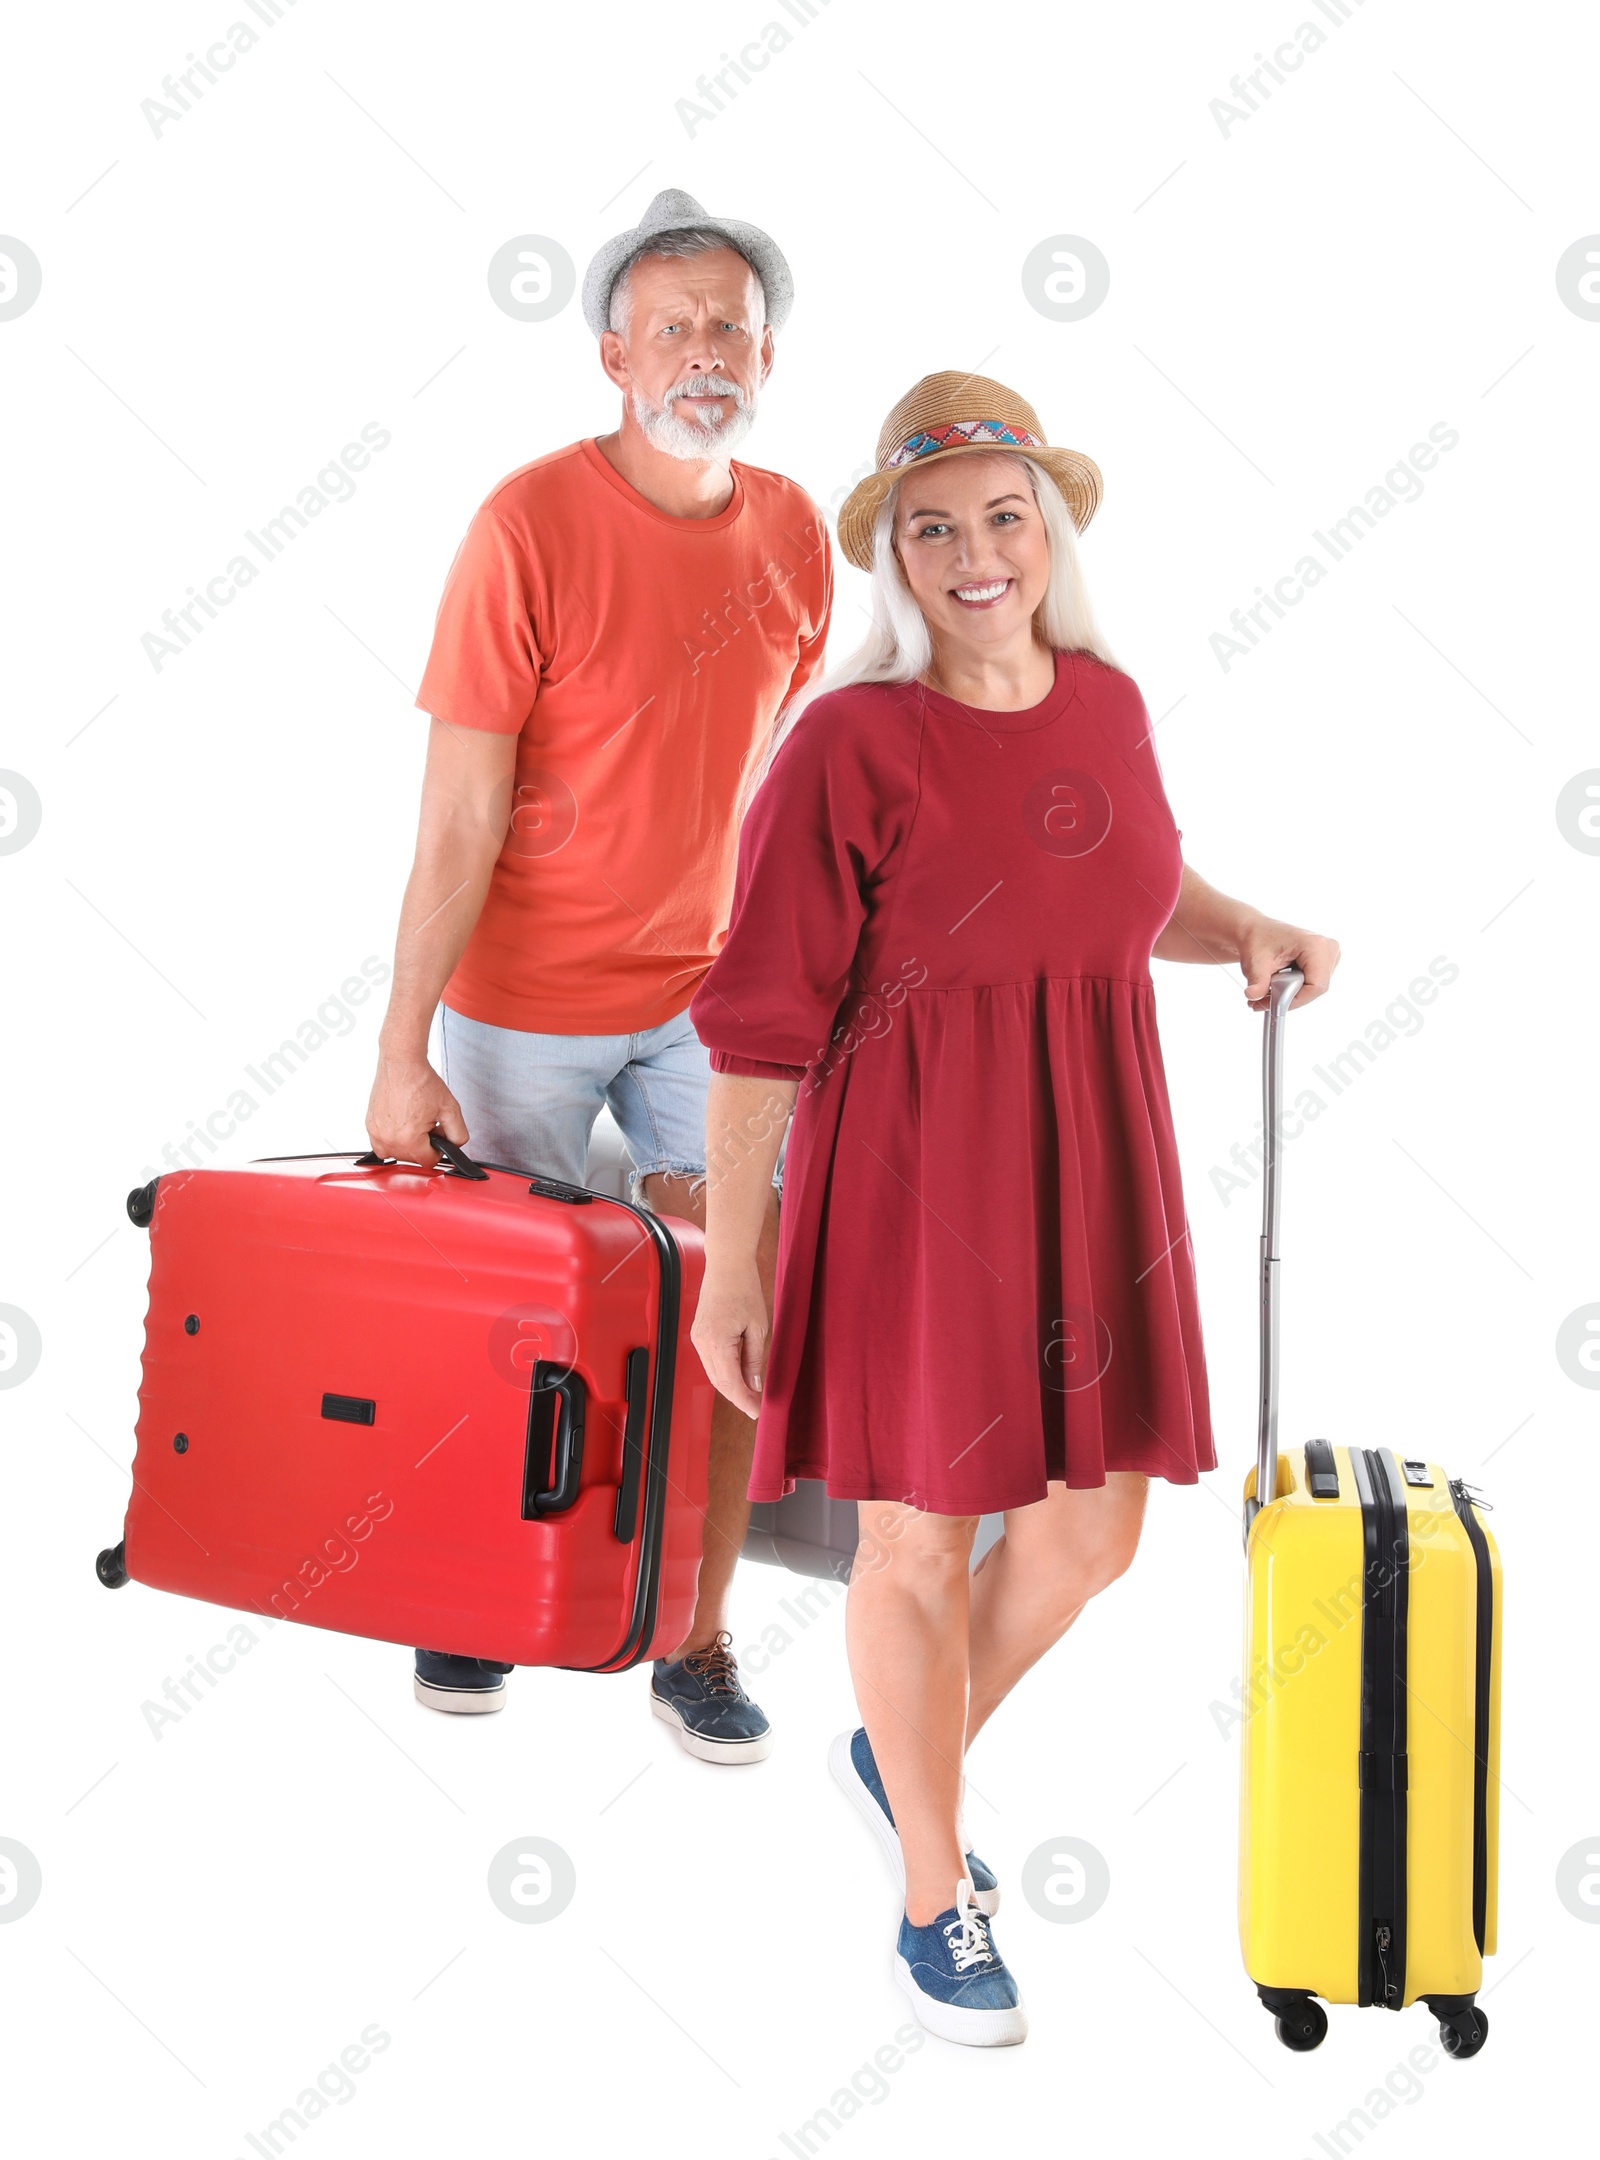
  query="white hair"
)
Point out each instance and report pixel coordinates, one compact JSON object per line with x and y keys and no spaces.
{"x":698,"y":438}
{"x":690,"y":241}
{"x":898,"y":647}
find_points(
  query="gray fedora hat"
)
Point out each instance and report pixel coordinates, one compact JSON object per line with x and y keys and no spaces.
{"x":674,"y":211}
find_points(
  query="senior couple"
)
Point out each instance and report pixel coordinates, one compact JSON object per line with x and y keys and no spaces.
{"x":660,"y":866}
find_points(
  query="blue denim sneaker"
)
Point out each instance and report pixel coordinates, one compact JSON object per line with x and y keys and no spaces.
{"x":960,"y":1986}
{"x":700,"y":1694}
{"x":855,"y":1771}
{"x":445,"y":1682}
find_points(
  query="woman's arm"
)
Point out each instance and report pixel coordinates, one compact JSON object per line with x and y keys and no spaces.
{"x":1206,"y":926}
{"x":746,"y":1119}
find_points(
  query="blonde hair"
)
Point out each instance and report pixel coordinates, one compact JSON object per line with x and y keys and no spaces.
{"x":898,"y":648}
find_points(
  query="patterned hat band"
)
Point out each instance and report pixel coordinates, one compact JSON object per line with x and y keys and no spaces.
{"x":951,"y":437}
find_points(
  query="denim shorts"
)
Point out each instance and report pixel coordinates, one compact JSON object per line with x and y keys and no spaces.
{"x":530,"y":1101}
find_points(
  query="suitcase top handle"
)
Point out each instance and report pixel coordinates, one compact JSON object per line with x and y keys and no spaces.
{"x":456,"y":1157}
{"x":1280,"y":994}
{"x":458,"y":1162}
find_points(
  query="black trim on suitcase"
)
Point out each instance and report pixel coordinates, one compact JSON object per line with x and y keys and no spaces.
{"x":1381,"y":1896}
{"x":647,"y":1584}
{"x":350,"y":1409}
{"x":1482,"y":1675}
{"x":636,"y":1390}
{"x":549,"y":1188}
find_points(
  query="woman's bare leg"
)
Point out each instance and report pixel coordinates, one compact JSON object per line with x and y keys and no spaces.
{"x":1030,"y":1587}
{"x":906,"y":1632}
{"x":933,"y":1651}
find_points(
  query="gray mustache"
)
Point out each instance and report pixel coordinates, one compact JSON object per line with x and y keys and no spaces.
{"x":705,"y":386}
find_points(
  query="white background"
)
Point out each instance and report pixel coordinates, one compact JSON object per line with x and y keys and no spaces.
{"x":1292,"y":306}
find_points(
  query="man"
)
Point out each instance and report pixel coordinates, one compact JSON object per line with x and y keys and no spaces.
{"x":619,"y":631}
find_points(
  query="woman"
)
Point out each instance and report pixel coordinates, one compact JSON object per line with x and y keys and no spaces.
{"x":950,"y":887}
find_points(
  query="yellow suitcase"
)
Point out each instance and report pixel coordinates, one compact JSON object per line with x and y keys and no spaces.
{"x":1370,"y":1739}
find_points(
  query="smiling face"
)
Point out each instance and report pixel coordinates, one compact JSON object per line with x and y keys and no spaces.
{"x":692,"y":351}
{"x":973,"y":545}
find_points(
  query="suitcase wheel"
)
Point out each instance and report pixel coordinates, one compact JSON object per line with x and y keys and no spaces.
{"x":111,"y":1567}
{"x":1463,"y":2034}
{"x":142,"y":1205}
{"x":1304,"y":2028}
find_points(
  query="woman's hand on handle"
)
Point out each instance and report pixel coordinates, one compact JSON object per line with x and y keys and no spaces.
{"x":1266,"y":945}
{"x":1207,"y":926}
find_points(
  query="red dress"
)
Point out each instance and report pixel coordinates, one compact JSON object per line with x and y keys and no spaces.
{"x":942,"y":925}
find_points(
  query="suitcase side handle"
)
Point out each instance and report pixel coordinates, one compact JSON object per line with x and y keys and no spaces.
{"x":557,"y":1404}
{"x":1280,"y":993}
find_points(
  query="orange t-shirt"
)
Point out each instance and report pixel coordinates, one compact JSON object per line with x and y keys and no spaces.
{"x":643,"y":660}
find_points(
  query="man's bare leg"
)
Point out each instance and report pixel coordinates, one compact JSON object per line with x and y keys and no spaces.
{"x":732,"y":1434}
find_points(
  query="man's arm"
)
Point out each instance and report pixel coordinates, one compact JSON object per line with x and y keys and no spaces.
{"x":466,"y":808}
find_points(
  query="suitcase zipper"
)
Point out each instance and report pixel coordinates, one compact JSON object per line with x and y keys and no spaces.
{"x":1381,"y":1766}
{"x":1465,"y":1504}
{"x":1381,"y":1940}
{"x":647,"y":1584}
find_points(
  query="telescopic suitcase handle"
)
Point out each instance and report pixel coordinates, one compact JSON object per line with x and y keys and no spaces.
{"x":1280,"y":993}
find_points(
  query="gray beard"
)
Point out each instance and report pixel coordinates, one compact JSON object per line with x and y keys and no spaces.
{"x":678,"y":437}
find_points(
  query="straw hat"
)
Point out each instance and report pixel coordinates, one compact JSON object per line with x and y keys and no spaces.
{"x":947,"y":415}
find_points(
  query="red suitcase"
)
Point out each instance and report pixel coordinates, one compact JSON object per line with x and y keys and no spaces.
{"x":455,"y":1408}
